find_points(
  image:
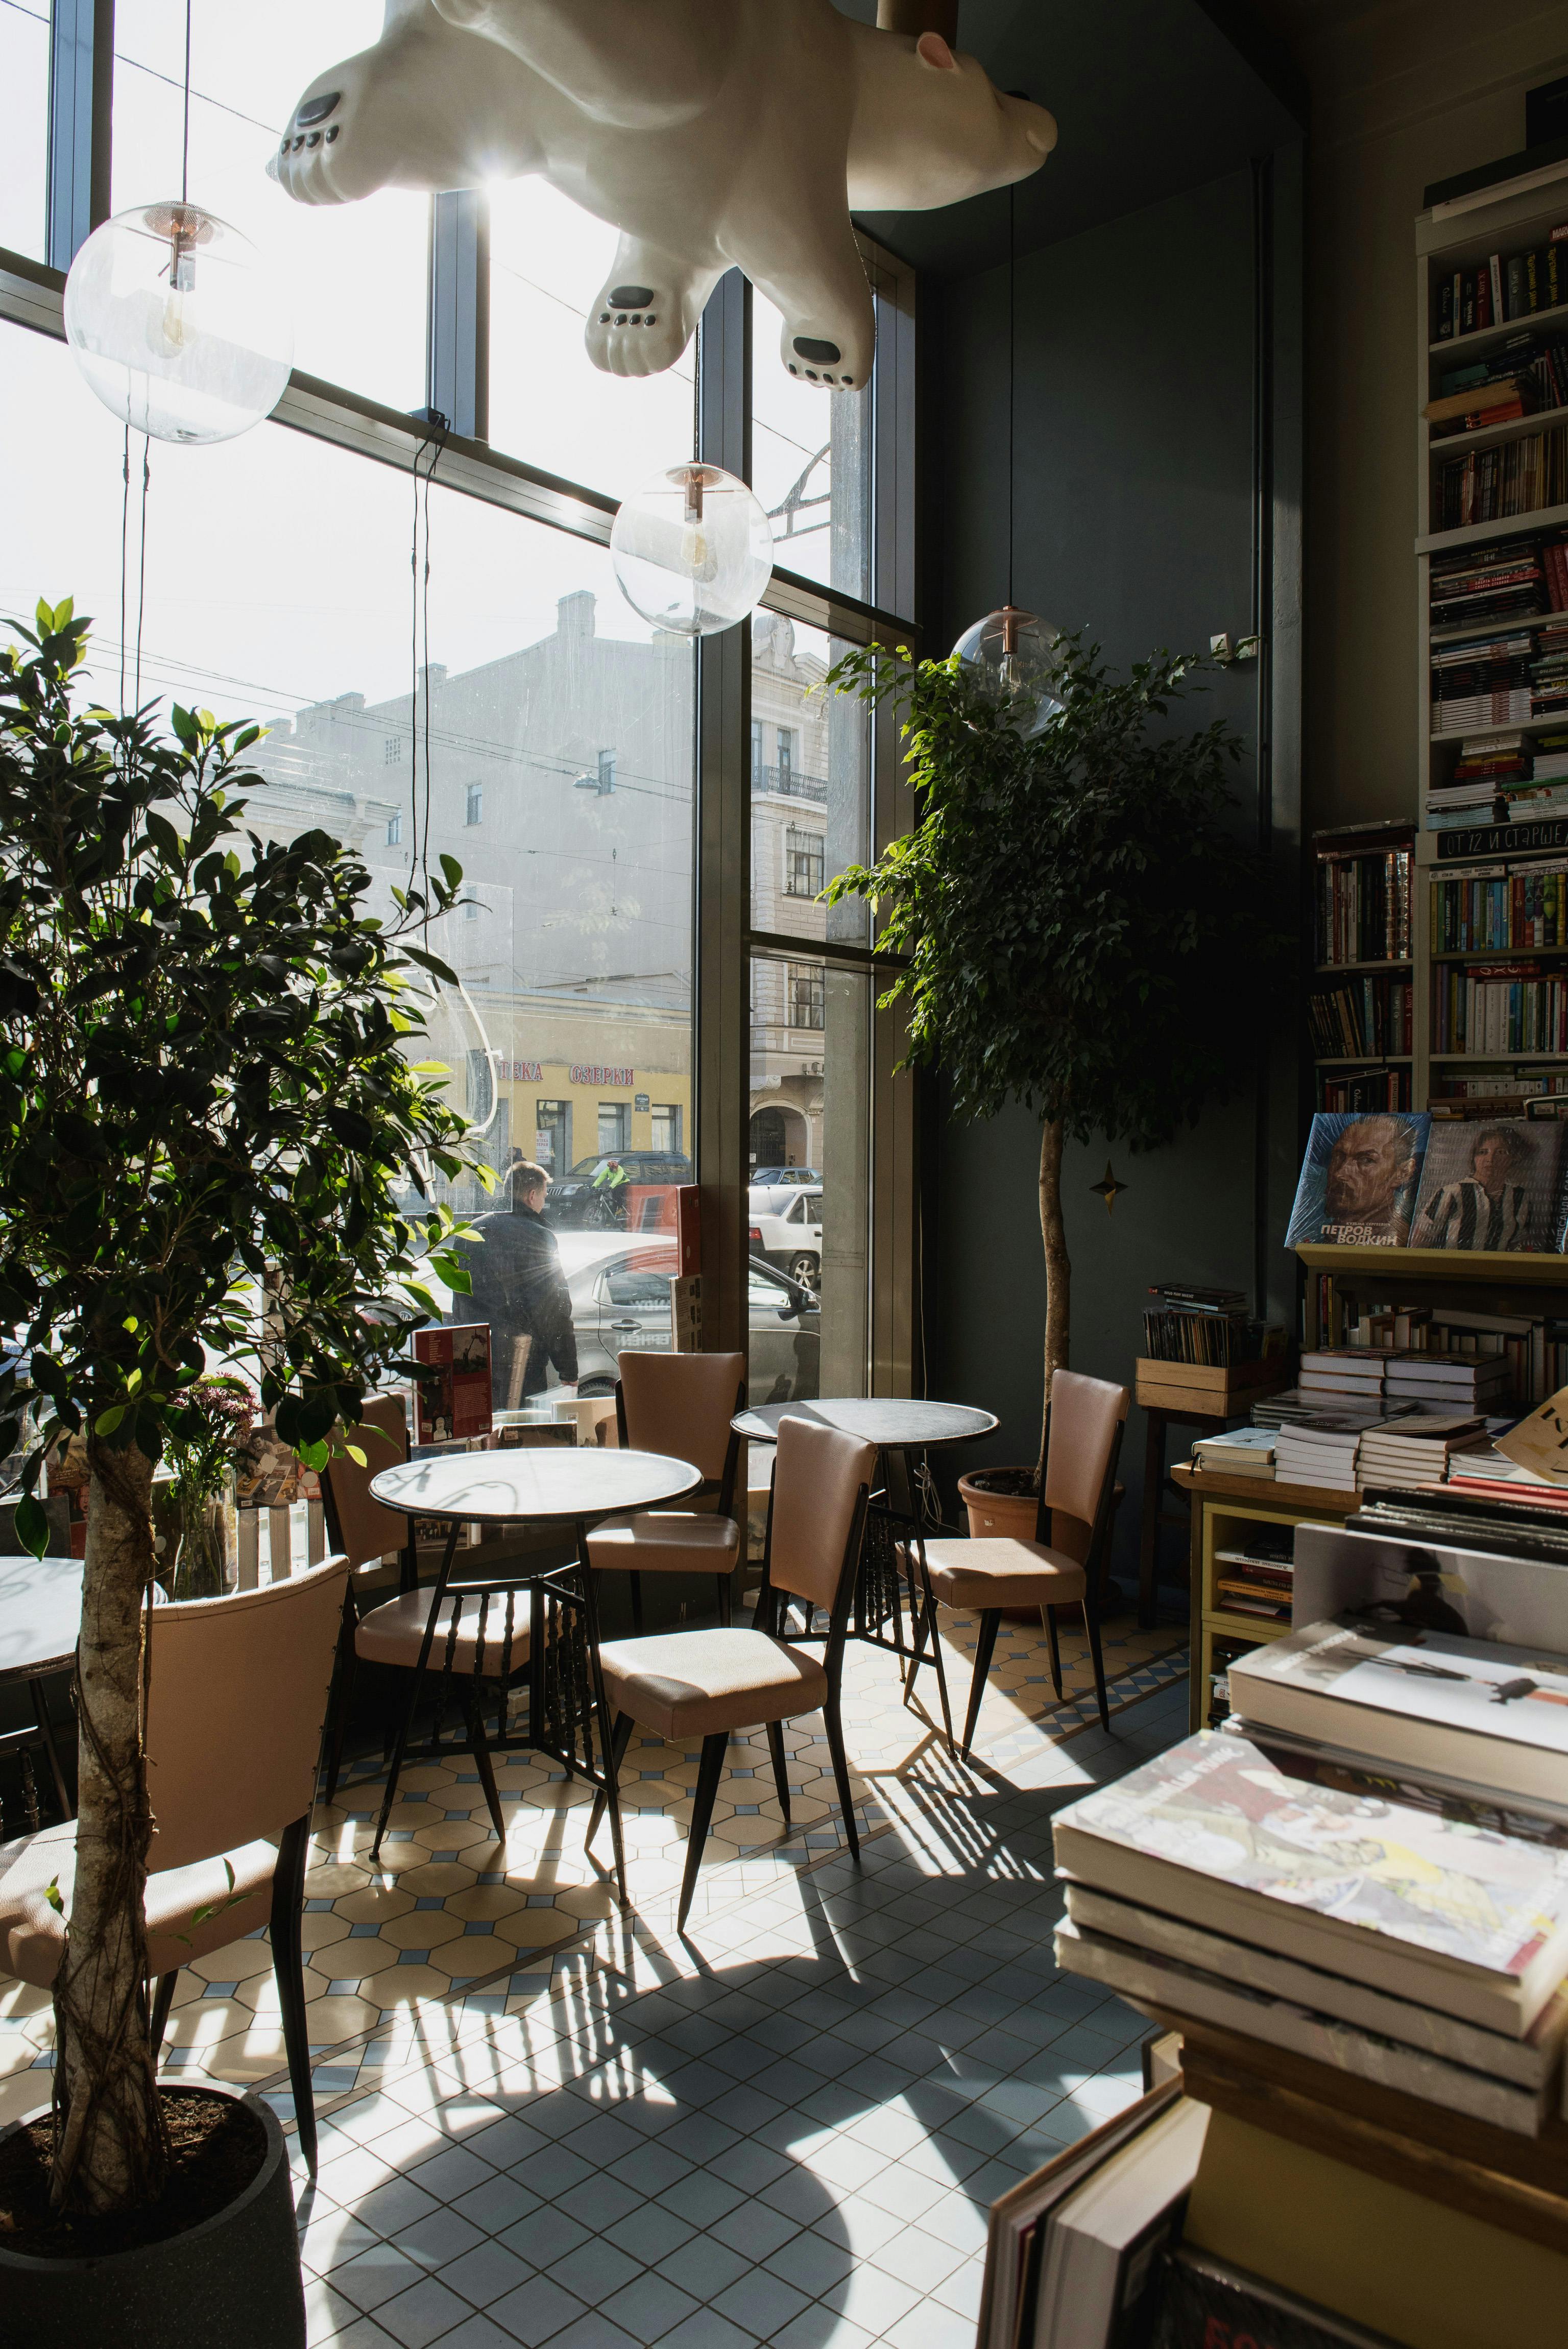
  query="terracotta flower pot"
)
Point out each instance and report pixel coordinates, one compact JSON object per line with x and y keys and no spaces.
{"x":994,"y":1517}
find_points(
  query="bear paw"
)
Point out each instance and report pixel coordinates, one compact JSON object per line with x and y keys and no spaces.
{"x":637,"y":330}
{"x":836,"y":357}
{"x":330,"y":153}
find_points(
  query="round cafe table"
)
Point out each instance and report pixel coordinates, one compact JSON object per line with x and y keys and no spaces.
{"x":568,"y":1714}
{"x":40,"y":1615}
{"x":893,"y":1560}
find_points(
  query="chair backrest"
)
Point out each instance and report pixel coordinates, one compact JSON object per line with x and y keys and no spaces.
{"x":363,"y":1529}
{"x":683,"y":1403}
{"x":818,"y":1481}
{"x":1081,"y":1444}
{"x":238,"y":1696}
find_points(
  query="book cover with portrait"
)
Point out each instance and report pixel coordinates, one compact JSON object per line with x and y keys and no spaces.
{"x":1359,"y":1178}
{"x":1491,"y":1184}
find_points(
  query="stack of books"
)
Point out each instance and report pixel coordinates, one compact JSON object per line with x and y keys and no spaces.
{"x":1481,"y":584}
{"x":1284,"y":1410}
{"x":1409,"y":1938}
{"x":1199,"y":1325}
{"x":1481,"y":681}
{"x":1258,"y":1577}
{"x":1417,"y":1450}
{"x":1344,"y":1377}
{"x":1474,"y":1382}
{"x":1549,"y":676}
{"x":1239,"y":1452}
{"x":1323,"y":1450}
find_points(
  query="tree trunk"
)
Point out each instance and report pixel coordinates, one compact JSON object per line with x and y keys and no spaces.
{"x":110,"y":2148}
{"x":1058,"y":1270}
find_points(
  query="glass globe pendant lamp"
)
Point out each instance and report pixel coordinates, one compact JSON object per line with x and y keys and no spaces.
{"x":1013,"y":658}
{"x":692,"y":549}
{"x":178,"y":323}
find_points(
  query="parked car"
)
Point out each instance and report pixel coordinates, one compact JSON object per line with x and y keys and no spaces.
{"x":773,"y":1187}
{"x":577,"y":1203}
{"x":793,"y":1240}
{"x":620,"y":1289}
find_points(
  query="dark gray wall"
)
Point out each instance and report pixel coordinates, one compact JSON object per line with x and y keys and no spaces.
{"x":1135,"y":516}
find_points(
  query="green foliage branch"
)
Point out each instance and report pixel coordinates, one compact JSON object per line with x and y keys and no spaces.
{"x":207,"y":1096}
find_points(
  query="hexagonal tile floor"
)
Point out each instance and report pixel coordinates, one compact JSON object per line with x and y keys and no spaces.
{"x":451,"y":1920}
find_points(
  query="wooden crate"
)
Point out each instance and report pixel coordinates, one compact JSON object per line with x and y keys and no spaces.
{"x":1212,"y":1390}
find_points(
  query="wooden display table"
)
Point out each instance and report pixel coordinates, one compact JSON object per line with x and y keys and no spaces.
{"x":1185,"y":1394}
{"x":1216,"y":1502}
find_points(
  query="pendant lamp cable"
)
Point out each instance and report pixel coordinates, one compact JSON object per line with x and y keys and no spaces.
{"x":185,"y":132}
{"x":1012,"y":364}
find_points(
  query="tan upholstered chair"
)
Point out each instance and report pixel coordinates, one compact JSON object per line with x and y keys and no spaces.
{"x":1063,"y":1563}
{"x":238,"y":1697}
{"x":687,"y":1684}
{"x":681,"y":1404}
{"x":398,"y":1632}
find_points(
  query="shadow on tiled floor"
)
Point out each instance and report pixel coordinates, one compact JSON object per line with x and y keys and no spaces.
{"x":785,"y":2131}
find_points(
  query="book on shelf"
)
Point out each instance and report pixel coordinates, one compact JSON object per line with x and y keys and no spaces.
{"x":1473,"y":1513}
{"x":1504,"y":285}
{"x":1494,"y":1714}
{"x":1389,"y":1583}
{"x":1364,"y":1089}
{"x":1362,"y":1017}
{"x":1494,"y":485}
{"x":1160,"y":1983}
{"x":1402,"y":1900}
{"x":1493,"y":908}
{"x":1528,"y":2064}
{"x":1206,"y":2302}
{"x":1238,"y":1451}
{"x":1480,"y":586}
{"x":1363,"y":899}
{"x":1224,"y":1649}
{"x":1359,"y":1179}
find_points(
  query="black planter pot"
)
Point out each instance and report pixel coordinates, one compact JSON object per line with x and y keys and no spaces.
{"x":232,"y":2279}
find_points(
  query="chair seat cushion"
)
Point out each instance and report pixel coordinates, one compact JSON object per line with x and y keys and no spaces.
{"x":666,"y":1541}
{"x":33,"y":1931}
{"x":694,"y":1683}
{"x":394,"y":1632}
{"x":997,"y":1572}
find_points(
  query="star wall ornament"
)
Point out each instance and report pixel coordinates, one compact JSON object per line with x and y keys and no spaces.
{"x":1109,"y":1190}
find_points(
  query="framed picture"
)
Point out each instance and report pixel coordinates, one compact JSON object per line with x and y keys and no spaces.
{"x":1360,"y":1177}
{"x":1490,"y":1184}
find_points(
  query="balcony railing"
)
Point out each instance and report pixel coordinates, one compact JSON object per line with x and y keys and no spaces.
{"x":787,"y":783}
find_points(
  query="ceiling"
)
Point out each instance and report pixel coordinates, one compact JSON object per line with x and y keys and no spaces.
{"x":1150,"y":96}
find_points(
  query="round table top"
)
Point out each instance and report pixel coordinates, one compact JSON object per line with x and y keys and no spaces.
{"x":40,"y":1615}
{"x":552,"y":1481}
{"x":890,"y":1422}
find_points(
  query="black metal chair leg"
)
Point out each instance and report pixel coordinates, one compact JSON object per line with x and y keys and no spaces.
{"x":405,"y":1727}
{"x":842,"y":1773}
{"x":926,"y":1620}
{"x":479,"y":1746}
{"x":710,"y":1769}
{"x":635,"y":1580}
{"x":780,"y":1775}
{"x":620,"y":1738}
{"x":1048,"y":1616}
{"x":1091,"y":1625}
{"x":288,"y":1968}
{"x":723,"y":1612}
{"x":162,"y":2000}
{"x":342,"y":1693}
{"x":40,"y":1701}
{"x":989,"y":1622}
{"x":600,"y":1715}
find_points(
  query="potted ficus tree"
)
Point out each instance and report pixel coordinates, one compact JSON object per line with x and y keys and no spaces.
{"x":207,"y":1101}
{"x":1086,"y":929}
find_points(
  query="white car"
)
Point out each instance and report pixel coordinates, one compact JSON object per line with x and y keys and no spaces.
{"x":792,"y":1239}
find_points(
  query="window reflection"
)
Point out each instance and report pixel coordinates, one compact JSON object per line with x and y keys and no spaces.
{"x":24,"y":79}
{"x":810,"y":465}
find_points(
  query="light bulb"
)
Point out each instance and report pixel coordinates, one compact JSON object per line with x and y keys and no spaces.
{"x":692,"y":550}
{"x":178,"y":325}
{"x":1016,"y":660}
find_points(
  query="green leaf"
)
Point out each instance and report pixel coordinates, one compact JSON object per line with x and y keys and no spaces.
{"x":356,"y":1454}
{"x":107,"y":1420}
{"x":52,"y":1895}
{"x":32,"y":1525}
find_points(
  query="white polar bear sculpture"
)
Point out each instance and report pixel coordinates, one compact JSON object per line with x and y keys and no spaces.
{"x":709,"y":132}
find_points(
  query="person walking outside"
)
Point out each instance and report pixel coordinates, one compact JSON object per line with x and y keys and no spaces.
{"x":519,"y":1289}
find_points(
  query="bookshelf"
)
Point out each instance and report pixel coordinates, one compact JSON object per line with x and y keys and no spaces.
{"x":1513,"y":218}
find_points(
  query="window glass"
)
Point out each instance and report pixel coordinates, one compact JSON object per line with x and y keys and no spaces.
{"x":548,"y":402}
{"x":811,"y":784}
{"x":810,"y":465}
{"x":356,"y":272}
{"x":638,"y":1288}
{"x":24,"y":79}
{"x":576,"y":965}
{"x":809,"y":1111}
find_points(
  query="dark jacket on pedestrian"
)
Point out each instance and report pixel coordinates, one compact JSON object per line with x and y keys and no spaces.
{"x":520,"y":1291}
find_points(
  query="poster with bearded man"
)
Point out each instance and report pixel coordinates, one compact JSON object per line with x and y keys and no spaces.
{"x":1359,"y":1179}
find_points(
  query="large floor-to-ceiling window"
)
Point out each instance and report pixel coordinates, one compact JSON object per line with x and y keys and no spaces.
{"x":424,"y":615}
